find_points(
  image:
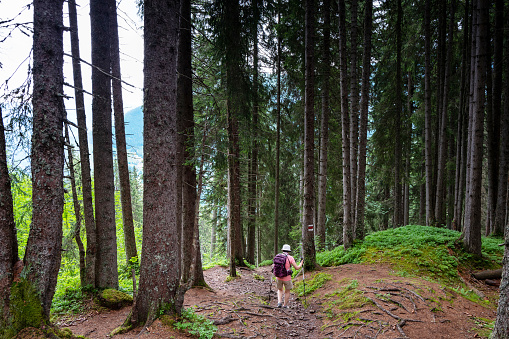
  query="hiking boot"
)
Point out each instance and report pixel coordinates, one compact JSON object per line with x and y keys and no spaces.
{"x":279,"y":305}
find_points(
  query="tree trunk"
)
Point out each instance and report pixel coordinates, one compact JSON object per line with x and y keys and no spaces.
{"x":354,"y":112}
{"x":442,"y":138}
{"x":106,"y":260}
{"x":187,"y":141}
{"x":427,"y":113}
{"x":472,"y":229}
{"x":252,"y":185}
{"x":86,"y":181}
{"x":160,"y":258}
{"x":398,"y":147}
{"x":322,"y":177}
{"x":197,"y":269}
{"x":233,"y":59}
{"x":410,"y":107}
{"x":492,"y":138}
{"x":501,"y":328}
{"x":499,"y":219}
{"x":44,"y":245}
{"x":308,"y":241}
{"x":345,"y":126}
{"x":459,"y":182}
{"x":8,"y":238}
{"x":123,"y":164}
{"x":77,"y":210}
{"x":422,"y":197}
{"x":214,"y":224}
{"x":491,"y":274}
{"x":278,"y":141}
{"x":450,"y":184}
{"x":363,"y":128}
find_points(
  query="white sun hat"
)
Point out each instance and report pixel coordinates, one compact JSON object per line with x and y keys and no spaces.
{"x":286,"y":248}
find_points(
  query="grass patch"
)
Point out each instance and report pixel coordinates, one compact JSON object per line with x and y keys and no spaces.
{"x":209,"y":262}
{"x":483,"y":327}
{"x":346,"y":297}
{"x":427,"y":252}
{"x":258,"y":277}
{"x":311,"y":285}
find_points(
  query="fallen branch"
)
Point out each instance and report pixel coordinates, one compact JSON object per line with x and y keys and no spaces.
{"x":240,"y":318}
{"x":223,"y":321}
{"x":414,"y":293}
{"x":491,"y":274}
{"x":399,"y":326}
{"x":475,"y":290}
{"x":383,"y":309}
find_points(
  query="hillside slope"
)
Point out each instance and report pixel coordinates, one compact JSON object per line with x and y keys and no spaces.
{"x":353,"y":300}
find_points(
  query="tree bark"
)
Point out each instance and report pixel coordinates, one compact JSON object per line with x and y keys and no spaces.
{"x":363,"y":128}
{"x":253,"y":175}
{"x":197,"y":269}
{"x":8,"y":238}
{"x":459,"y":182}
{"x":492,"y":274}
{"x":233,"y":59}
{"x":43,"y":250}
{"x":492,"y":137}
{"x":86,"y":181}
{"x":354,"y":112}
{"x":106,"y":260}
{"x":278,"y":140}
{"x":214,"y":224}
{"x":322,"y":177}
{"x":427,"y":113}
{"x":442,"y":138}
{"x":123,"y":164}
{"x":186,"y":138}
{"x":503,"y":158}
{"x":398,"y":147}
{"x":308,"y":241}
{"x":410,"y":107}
{"x":77,"y":210}
{"x":472,"y":229}
{"x":501,"y":328}
{"x":345,"y":126}
{"x":161,"y":251}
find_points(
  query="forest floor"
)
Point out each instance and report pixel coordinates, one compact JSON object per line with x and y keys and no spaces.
{"x":398,"y":307}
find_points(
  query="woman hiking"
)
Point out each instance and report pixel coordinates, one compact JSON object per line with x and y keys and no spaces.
{"x":281,"y":269}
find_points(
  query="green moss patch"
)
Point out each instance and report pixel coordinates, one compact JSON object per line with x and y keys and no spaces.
{"x":113,"y":299}
{"x":421,"y":251}
{"x":346,"y":297}
{"x":310,"y":285}
{"x":25,"y":306}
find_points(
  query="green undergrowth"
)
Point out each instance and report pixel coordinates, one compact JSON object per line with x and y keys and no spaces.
{"x":209,"y":262}
{"x":419,"y":251}
{"x":311,"y":284}
{"x":483,"y":327}
{"x":266,"y":263}
{"x":346,"y":297}
{"x":192,"y":323}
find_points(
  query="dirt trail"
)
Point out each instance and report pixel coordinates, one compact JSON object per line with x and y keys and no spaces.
{"x":399,"y":307}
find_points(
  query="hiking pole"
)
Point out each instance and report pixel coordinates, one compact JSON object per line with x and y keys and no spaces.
{"x":303,"y":277}
{"x":304,"y":282}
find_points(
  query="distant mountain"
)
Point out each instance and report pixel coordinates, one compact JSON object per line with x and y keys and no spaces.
{"x":134,"y":132}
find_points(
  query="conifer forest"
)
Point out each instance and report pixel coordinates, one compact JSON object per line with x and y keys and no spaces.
{"x":259,"y":123}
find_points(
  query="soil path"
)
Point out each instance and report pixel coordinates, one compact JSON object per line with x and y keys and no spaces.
{"x":398,"y":307}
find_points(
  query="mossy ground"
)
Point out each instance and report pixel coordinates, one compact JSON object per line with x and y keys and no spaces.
{"x":114,"y":299}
